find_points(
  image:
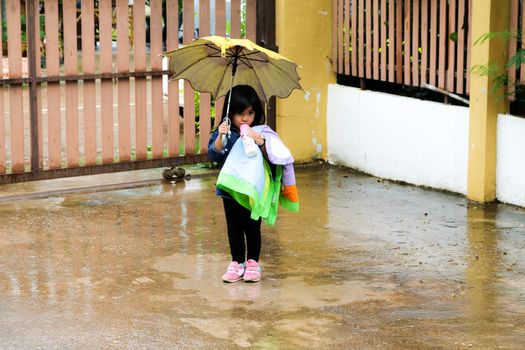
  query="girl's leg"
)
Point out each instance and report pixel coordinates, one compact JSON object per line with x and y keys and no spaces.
{"x":234,"y":222}
{"x":252,"y":272}
{"x":252,"y":228}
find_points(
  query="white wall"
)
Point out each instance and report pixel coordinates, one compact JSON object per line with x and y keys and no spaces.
{"x":399,"y":138}
{"x":419,"y":142}
{"x":510,"y":168}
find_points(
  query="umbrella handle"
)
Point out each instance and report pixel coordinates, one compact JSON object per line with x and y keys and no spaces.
{"x":224,"y":137}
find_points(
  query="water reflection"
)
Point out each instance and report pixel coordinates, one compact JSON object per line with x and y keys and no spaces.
{"x":483,"y":264}
{"x":303,"y":234}
{"x":76,"y":255}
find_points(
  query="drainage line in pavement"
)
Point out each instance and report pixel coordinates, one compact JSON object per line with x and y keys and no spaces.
{"x":99,"y":188}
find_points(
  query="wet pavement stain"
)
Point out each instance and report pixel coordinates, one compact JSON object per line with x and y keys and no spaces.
{"x":365,"y":264}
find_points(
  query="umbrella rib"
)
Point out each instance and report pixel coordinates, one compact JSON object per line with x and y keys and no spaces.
{"x":286,"y":74}
{"x":245,"y":55}
{"x":232,"y":52}
{"x":258,"y":82}
{"x":222,"y":77}
{"x":212,"y":46}
{"x":167,"y":54}
{"x":252,"y":53}
{"x":265,"y":61}
{"x":244,"y":58}
{"x":257,"y":60}
{"x":191,"y":65}
{"x":245,"y":61}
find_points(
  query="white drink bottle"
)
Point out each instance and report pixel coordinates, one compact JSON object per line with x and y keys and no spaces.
{"x":250,"y":148}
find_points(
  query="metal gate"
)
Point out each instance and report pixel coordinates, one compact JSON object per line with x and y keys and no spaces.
{"x":85,"y":90}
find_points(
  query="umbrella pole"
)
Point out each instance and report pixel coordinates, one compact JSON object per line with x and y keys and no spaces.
{"x":227,"y":118}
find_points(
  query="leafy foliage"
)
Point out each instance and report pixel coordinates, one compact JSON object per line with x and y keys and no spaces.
{"x":497,"y":35}
{"x":500,"y":76}
{"x":517,"y":60}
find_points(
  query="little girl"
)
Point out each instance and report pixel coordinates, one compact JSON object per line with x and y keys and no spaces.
{"x":245,"y":108}
{"x":251,"y":187}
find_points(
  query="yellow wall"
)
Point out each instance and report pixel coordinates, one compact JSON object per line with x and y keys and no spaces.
{"x":304,"y":35}
{"x":485,"y":104}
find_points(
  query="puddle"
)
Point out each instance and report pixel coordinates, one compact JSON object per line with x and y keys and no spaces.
{"x":365,"y":264}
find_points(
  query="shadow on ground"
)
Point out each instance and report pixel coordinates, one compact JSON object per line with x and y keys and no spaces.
{"x":365,"y":264}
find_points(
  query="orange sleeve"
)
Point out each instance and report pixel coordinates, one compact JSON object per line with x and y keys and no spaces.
{"x":290,"y":192}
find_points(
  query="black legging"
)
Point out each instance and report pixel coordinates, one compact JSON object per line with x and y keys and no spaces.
{"x":240,"y":224}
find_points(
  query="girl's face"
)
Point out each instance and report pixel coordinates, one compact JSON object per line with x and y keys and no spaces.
{"x":246,"y":117}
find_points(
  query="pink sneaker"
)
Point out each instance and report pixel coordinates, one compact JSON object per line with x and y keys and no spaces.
{"x":253,"y":271}
{"x":234,"y":273}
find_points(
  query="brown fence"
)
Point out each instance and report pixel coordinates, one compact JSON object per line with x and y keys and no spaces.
{"x":410,"y":42}
{"x":90,"y":98}
{"x":517,"y":42}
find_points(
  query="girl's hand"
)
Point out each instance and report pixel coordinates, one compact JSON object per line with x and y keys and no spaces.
{"x":255,"y":136}
{"x":224,"y":128}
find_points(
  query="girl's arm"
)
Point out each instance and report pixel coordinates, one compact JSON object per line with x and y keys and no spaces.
{"x":214,"y":154}
{"x":215,"y":148}
{"x":264,"y":153}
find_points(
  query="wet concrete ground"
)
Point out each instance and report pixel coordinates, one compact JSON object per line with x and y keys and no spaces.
{"x":366,"y":264}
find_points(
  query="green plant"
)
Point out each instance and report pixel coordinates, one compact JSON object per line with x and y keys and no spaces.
{"x":243,"y":21}
{"x":501,"y":75}
{"x":4,"y":30}
{"x":197,"y":98}
{"x":23,"y":28}
{"x":243,"y":18}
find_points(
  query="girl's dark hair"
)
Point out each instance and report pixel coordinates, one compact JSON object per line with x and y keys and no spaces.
{"x":244,"y":96}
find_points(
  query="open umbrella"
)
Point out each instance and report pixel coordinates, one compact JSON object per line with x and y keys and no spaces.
{"x":215,"y":64}
{"x":210,"y":63}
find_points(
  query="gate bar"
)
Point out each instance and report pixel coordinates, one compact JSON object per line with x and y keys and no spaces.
{"x":101,"y":76}
{"x":31,"y":54}
{"x":97,"y":188}
{"x":102,"y":168}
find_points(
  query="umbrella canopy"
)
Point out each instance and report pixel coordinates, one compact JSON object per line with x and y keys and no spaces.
{"x":215,"y":64}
